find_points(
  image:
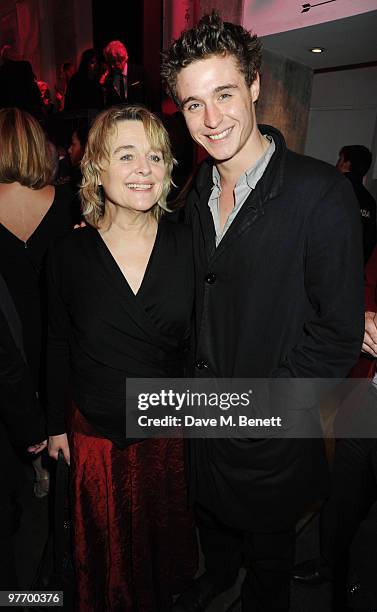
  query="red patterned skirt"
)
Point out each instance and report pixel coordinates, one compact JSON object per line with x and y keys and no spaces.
{"x":134,"y":537}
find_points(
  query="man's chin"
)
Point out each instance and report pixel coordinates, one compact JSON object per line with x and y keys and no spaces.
{"x":219,"y":159}
{"x":219,"y":154}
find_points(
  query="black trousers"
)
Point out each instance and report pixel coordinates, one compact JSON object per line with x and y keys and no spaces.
{"x":268,"y":558}
{"x":352,"y":494}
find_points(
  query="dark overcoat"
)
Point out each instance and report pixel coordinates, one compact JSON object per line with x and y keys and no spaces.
{"x":281,"y":296}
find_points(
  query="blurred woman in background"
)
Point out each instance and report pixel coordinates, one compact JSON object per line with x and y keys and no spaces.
{"x":33,"y":214}
{"x":84,"y":90}
{"x":76,"y":150}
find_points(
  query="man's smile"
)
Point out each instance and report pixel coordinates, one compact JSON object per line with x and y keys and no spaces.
{"x":220,"y":135}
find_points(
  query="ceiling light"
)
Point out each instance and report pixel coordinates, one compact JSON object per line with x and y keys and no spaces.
{"x":317,"y":50}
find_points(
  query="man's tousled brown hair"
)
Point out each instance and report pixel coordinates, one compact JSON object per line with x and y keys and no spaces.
{"x":212,"y":36}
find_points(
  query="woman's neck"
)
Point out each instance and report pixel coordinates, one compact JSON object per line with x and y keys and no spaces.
{"x":118,"y":219}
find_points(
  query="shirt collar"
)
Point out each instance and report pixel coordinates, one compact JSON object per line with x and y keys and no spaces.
{"x":252,"y":174}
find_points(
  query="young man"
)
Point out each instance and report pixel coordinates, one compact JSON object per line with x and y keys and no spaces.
{"x":279,"y":294}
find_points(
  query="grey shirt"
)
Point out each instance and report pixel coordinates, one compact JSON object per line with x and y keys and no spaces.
{"x":245,"y":184}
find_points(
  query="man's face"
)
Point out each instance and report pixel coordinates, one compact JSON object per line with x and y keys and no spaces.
{"x":118,"y":62}
{"x":218,"y":107}
{"x":342,"y":165}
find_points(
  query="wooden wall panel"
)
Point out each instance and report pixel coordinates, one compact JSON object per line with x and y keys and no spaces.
{"x":230,"y":10}
{"x":285,"y":96}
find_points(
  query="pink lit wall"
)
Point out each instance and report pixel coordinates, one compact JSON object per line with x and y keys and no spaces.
{"x":178,"y":15}
{"x":271,"y":16}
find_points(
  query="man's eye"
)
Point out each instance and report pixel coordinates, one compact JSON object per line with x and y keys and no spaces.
{"x":225,"y":96}
{"x":193,"y":107}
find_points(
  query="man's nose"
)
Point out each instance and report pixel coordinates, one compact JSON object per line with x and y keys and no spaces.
{"x":212,"y":116}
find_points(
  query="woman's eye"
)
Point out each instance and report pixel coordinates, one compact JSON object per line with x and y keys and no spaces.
{"x":155,"y":158}
{"x":126,"y":157}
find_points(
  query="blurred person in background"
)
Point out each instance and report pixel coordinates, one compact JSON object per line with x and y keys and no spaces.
{"x":84,"y":90}
{"x":354,"y":162}
{"x":76,"y":152}
{"x":18,"y":86}
{"x":66,"y":72}
{"x":21,"y":424}
{"x":122,"y":82}
{"x":33,"y":213}
{"x":47,"y":102}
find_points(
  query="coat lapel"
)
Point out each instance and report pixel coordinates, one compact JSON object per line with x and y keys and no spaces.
{"x":207,"y":226}
{"x":267,"y":188}
{"x":251,"y":211}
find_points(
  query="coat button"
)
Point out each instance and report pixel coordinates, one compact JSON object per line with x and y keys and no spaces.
{"x":201,"y":364}
{"x":210,"y":279}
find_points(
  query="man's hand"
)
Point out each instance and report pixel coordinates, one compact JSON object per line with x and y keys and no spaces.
{"x":370,"y":334}
{"x":37,"y":448}
{"x":57,"y":443}
{"x":79,"y":225}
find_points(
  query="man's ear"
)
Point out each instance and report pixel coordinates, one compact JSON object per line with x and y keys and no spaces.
{"x":255,"y":88}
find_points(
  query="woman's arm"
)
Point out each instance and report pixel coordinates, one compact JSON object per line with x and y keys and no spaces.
{"x":57,"y":443}
{"x":58,"y":365}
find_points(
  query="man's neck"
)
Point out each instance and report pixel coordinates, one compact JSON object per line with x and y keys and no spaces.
{"x":230,"y":170}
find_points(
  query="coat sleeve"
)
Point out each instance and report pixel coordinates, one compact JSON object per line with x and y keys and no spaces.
{"x":333,"y":331}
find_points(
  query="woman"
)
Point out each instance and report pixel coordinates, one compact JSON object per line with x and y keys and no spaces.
{"x":83,"y":89}
{"x":121,"y":294}
{"x":21,"y":423}
{"x":33,"y":213}
{"x":76,"y":152}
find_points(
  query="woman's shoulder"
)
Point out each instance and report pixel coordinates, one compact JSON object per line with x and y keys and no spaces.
{"x":63,"y":193}
{"x":62,"y":204}
{"x":74,"y":241}
{"x":176,"y":227}
{"x":177,"y":239}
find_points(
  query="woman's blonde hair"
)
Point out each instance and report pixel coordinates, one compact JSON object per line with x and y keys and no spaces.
{"x":25,"y":156}
{"x":97,"y":152}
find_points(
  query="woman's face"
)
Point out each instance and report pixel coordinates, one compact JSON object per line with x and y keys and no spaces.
{"x":93,"y":67}
{"x":76,"y":150}
{"x":133,"y":178}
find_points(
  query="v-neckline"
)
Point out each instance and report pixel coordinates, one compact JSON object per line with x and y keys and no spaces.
{"x":116,"y":266}
{"x":25,"y":242}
